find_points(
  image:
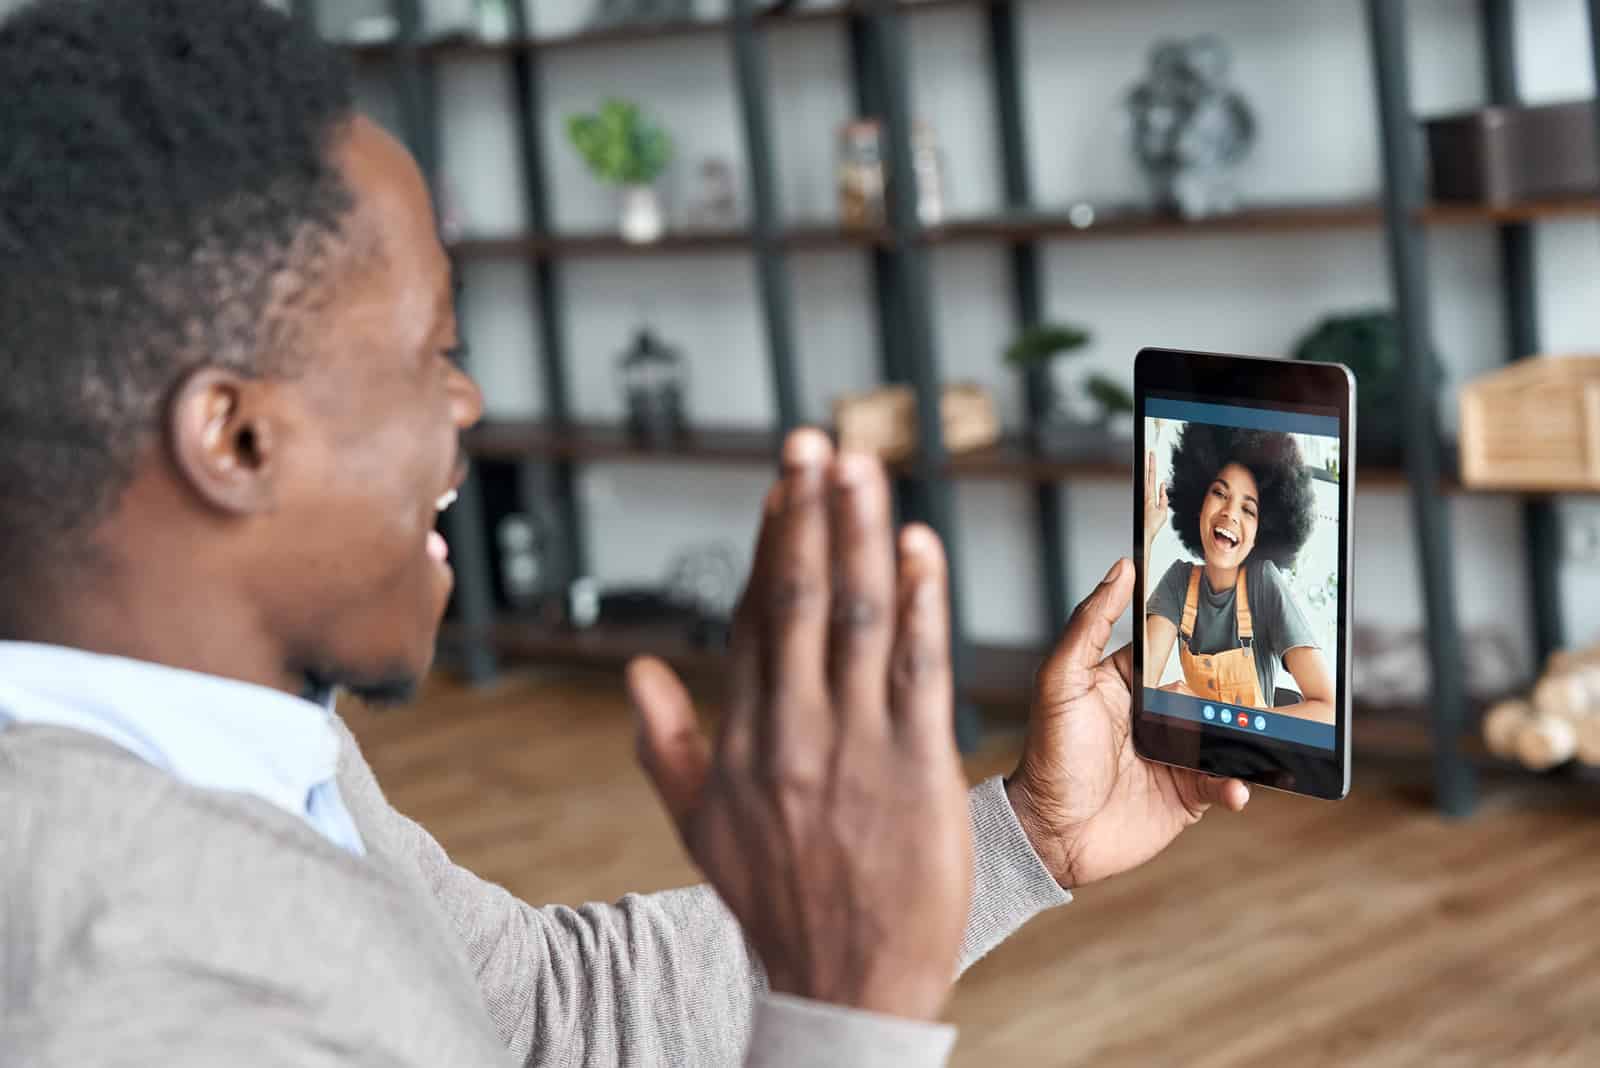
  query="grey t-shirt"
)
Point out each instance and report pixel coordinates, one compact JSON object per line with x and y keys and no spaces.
{"x":1280,"y":623}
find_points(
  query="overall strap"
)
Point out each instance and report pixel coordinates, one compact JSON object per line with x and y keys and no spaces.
{"x":1241,"y":609}
{"x":1191,"y":604}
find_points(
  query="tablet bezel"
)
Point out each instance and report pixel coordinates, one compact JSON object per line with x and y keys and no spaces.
{"x":1321,"y":388}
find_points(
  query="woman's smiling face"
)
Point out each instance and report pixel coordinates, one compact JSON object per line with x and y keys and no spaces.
{"x":1229,"y":517}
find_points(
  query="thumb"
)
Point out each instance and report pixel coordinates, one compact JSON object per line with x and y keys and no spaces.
{"x":671,"y":747}
{"x":1200,"y":791}
{"x":1083,"y":645}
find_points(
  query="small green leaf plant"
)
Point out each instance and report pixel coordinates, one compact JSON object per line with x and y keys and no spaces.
{"x":1041,"y":344}
{"x":1038,"y":345}
{"x":1113,"y":398}
{"x":620,"y":145}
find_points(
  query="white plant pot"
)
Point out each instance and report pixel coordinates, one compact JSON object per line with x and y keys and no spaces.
{"x":640,"y":214}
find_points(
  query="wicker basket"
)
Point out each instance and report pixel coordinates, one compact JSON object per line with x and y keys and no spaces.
{"x":1534,"y":426}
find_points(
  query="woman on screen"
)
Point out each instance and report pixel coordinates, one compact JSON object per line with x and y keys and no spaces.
{"x":1242,"y":505}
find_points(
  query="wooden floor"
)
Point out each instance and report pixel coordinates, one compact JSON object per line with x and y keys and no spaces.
{"x":1364,"y":933}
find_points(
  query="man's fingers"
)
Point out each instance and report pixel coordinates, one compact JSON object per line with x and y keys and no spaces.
{"x":864,"y":587}
{"x":795,"y":719}
{"x":795,"y":600}
{"x":1084,"y":643}
{"x":744,"y":654}
{"x":921,"y":688}
{"x":671,"y":747}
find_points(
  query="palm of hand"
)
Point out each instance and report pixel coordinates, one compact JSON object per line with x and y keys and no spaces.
{"x":1101,"y":809}
{"x":1091,"y":806}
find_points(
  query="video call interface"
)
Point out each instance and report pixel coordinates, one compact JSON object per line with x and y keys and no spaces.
{"x":1242,"y":569}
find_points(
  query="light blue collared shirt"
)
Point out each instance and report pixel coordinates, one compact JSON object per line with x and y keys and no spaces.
{"x":209,"y":732}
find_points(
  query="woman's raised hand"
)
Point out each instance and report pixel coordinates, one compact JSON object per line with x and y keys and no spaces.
{"x":1155,"y":501}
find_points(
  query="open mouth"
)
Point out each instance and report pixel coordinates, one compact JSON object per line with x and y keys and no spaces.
{"x":1227,"y":538}
{"x":438,"y":548}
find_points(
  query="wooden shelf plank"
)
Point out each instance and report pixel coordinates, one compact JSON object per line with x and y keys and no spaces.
{"x":1450,"y":214}
{"x":800,"y":237}
{"x":1012,"y":460}
{"x":831,"y":235}
{"x":638,"y":34}
{"x":1126,"y":223}
{"x":1008,"y":461}
{"x":612,"y":644}
{"x":1141,"y":222}
{"x":643,"y":33}
{"x":1000,"y":676}
{"x":512,"y":439}
{"x":509,"y":246}
{"x":601,"y":243}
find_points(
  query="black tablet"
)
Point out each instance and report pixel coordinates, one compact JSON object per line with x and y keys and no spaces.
{"x":1243,"y":495}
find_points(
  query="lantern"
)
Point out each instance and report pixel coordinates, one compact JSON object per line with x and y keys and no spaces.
{"x":654,"y":380}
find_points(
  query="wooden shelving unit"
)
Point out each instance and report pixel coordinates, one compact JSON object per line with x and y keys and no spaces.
{"x":878,"y":46}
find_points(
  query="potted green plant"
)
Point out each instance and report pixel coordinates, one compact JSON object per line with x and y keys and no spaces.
{"x":624,"y":148}
{"x":1076,"y":418}
{"x":1368,"y":342}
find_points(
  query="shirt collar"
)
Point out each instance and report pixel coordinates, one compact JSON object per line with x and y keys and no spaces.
{"x":210,"y":732}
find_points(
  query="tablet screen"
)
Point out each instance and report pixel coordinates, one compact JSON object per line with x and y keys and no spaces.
{"x":1243,"y":569}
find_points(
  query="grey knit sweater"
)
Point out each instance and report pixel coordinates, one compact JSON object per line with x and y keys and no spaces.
{"x":143,"y":922}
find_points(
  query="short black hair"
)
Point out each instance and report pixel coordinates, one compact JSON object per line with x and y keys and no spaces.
{"x":1287,"y":505}
{"x":168,"y":194}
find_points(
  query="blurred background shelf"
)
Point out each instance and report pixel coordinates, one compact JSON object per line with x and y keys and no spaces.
{"x":1010,"y":460}
{"x":532,"y":439}
{"x":1000,"y":677}
{"x":1263,"y":218}
{"x":643,"y":32}
{"x":1309,"y":217}
{"x":674,"y":242}
{"x":896,"y":279}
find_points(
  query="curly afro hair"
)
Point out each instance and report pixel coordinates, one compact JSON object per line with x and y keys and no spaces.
{"x":169,"y":198}
{"x":1288,"y":509}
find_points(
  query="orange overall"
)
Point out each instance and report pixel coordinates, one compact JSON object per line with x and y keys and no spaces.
{"x":1229,"y":676}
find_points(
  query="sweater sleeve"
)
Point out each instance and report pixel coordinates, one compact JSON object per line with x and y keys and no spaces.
{"x":668,"y":978}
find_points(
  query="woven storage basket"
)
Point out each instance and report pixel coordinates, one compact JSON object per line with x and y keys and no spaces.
{"x":1533,"y":426}
{"x":884,"y":421}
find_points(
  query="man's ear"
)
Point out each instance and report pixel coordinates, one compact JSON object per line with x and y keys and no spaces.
{"x":220,"y":432}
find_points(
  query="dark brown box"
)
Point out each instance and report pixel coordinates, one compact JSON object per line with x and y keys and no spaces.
{"x":1503,"y":155}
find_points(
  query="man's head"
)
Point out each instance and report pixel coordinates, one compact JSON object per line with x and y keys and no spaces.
{"x":226,"y":339}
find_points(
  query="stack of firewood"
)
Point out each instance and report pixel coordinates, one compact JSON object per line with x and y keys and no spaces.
{"x":1558,"y":722}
